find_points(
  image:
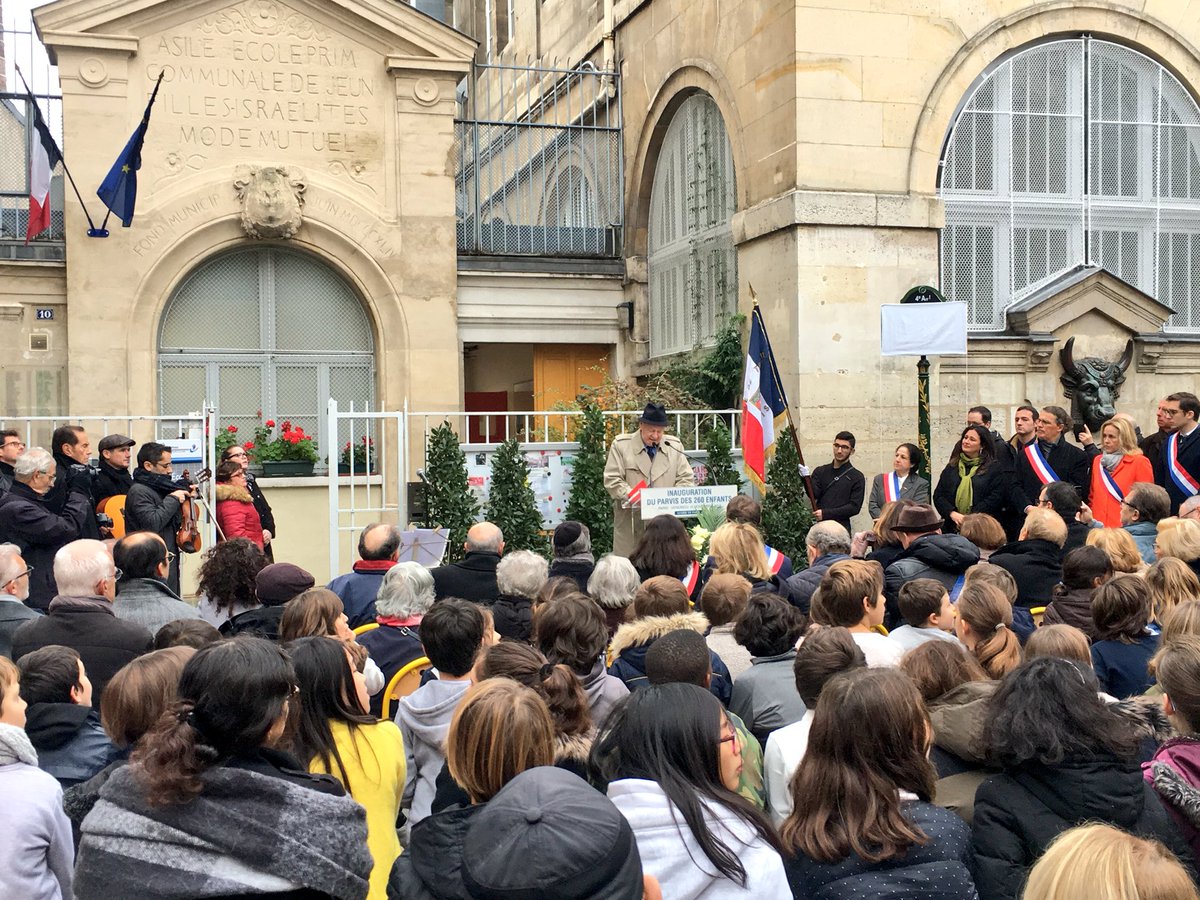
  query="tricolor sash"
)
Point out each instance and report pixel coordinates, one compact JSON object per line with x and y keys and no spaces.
{"x":956,"y":588}
{"x":635,"y":492}
{"x":693,"y":575}
{"x":1183,"y":480}
{"x":891,"y":487}
{"x":1038,"y":463}
{"x":774,"y":560}
{"x":1110,"y":484}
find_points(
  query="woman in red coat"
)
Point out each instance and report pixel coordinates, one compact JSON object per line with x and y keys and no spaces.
{"x":1116,"y":470}
{"x":236,"y":515}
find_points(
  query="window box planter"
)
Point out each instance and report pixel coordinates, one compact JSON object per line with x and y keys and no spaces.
{"x":287,"y":468}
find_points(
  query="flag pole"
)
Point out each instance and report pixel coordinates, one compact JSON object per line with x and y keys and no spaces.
{"x":808,"y":488}
{"x":61,"y":156}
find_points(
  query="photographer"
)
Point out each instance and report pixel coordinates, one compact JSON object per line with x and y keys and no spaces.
{"x":27,"y":520}
{"x":72,"y":455}
{"x":154,"y":502}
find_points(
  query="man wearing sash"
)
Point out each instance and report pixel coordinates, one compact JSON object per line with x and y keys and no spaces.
{"x":644,"y":458}
{"x":1181,"y":451}
{"x":1050,"y":458}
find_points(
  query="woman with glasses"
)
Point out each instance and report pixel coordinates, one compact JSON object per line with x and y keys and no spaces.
{"x":672,"y":762}
{"x":237,"y":515}
{"x":237,"y":454}
{"x":1118,"y":468}
{"x":211,"y":760}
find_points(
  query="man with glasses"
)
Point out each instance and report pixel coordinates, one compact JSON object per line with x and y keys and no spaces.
{"x":154,"y":502}
{"x":1050,"y":458}
{"x":28,"y":521}
{"x":81,"y":616}
{"x":142,"y":594}
{"x":14,"y":591}
{"x":11,"y":446}
{"x":1181,"y":449}
{"x":1153,"y":445}
{"x":838,"y":487}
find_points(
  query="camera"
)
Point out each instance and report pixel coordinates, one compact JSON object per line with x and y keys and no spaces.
{"x":104,"y":521}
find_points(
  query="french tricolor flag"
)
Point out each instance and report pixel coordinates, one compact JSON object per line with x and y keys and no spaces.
{"x":762,"y":403}
{"x":43,"y":157}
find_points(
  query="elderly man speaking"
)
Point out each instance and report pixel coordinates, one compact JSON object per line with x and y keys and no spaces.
{"x":647,"y":457}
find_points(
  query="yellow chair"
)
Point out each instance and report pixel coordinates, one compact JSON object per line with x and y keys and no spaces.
{"x":363,"y":629}
{"x":1037,"y":612}
{"x":403,"y":683}
{"x":881,"y":630}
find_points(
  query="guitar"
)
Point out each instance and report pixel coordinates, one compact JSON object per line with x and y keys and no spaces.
{"x":114,"y":508}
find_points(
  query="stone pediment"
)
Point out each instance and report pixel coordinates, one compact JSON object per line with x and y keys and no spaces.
{"x":1087,"y":292}
{"x":397,"y":31}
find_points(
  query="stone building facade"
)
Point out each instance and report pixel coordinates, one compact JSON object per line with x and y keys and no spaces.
{"x":809,"y":152}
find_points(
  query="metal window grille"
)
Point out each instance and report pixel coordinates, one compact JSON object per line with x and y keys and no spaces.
{"x":538,"y":162}
{"x":1073,"y":151}
{"x":692,"y":269}
{"x":266,"y":330}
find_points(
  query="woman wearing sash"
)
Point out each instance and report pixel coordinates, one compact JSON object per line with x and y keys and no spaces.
{"x":974,"y":481}
{"x":902,"y":483}
{"x":1119,"y":467}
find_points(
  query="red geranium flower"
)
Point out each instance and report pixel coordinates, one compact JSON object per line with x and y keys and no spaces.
{"x":232,"y":429}
{"x":270,"y":423}
{"x":249,"y":445}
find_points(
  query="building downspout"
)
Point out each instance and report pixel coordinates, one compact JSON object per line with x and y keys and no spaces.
{"x":609,"y":54}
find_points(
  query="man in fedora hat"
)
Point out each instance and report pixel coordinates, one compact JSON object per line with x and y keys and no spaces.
{"x":648,"y":457}
{"x":927,"y":554}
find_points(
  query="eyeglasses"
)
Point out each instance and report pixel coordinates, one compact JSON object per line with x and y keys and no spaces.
{"x":170,"y":557}
{"x":11,"y":444}
{"x":1169,"y":412}
{"x":28,"y":571}
{"x":116,"y":575}
{"x":730,"y":738}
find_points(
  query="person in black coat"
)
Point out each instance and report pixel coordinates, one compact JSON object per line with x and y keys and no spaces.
{"x":27,"y":521}
{"x":72,"y":452}
{"x":838,"y":487}
{"x":1184,"y":410}
{"x":112,"y":475}
{"x":1067,"y":462}
{"x":1035,"y":559}
{"x":974,"y":457}
{"x":154,"y":502}
{"x":81,"y":617}
{"x":1067,"y":758}
{"x":474,"y":576}
{"x":573,"y":557}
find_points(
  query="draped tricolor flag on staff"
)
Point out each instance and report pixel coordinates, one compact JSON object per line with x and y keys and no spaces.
{"x":44,"y":155}
{"x":763,"y":407}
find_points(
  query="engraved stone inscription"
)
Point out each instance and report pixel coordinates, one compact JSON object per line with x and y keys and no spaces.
{"x":260,"y":77}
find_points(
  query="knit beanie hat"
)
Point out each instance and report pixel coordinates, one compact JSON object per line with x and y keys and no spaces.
{"x":568,"y":534}
{"x":548,"y":833}
{"x":278,"y":583}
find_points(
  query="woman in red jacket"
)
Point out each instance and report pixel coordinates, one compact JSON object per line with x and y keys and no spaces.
{"x":1116,"y":470}
{"x":236,"y":515}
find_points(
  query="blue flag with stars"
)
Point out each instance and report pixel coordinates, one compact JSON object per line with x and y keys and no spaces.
{"x":119,"y":189}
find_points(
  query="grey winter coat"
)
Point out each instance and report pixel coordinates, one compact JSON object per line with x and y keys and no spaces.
{"x":424,"y":719}
{"x":150,"y":603}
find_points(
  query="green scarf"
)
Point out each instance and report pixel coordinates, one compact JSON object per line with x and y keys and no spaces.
{"x":964,"y":496}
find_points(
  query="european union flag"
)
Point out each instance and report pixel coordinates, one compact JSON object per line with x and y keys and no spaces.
{"x":119,"y":189}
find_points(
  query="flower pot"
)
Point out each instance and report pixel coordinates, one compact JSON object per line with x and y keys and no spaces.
{"x":359,"y":469}
{"x":287,"y":468}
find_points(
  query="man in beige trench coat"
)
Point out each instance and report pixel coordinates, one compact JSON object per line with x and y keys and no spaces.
{"x":647,"y":455}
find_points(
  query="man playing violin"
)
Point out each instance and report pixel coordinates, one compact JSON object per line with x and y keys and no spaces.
{"x":155,"y":502}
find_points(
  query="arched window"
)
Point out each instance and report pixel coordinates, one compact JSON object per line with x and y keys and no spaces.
{"x":1075,"y":151}
{"x":692,"y":269}
{"x":570,"y":203}
{"x":265,"y":329}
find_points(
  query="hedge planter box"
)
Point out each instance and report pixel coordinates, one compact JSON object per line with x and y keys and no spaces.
{"x":287,"y":468}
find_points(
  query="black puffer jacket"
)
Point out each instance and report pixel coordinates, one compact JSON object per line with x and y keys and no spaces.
{"x":1036,"y":567}
{"x":942,"y":557}
{"x":430,"y":868}
{"x":1019,"y":813}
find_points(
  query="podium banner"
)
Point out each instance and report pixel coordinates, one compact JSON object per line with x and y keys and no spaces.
{"x":686,"y":501}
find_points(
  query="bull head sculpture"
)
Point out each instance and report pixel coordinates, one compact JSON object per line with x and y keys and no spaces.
{"x":1093,"y":385}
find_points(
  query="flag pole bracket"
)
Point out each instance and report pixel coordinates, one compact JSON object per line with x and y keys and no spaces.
{"x":97,"y":232}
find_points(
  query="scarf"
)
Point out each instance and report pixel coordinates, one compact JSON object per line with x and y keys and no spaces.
{"x":15,"y":746}
{"x":162,"y":484}
{"x":964,"y":497}
{"x":584,"y":556}
{"x":1111,"y":460}
{"x":247,"y":833}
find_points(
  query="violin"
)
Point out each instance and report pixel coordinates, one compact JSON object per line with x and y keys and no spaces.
{"x":187,"y":538}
